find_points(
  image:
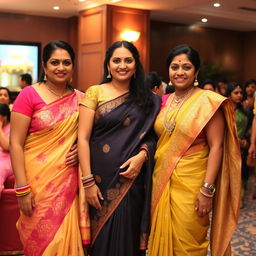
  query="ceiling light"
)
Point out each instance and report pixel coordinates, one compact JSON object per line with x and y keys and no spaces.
{"x":216,"y":4}
{"x":55,"y":7}
{"x":204,"y":20}
{"x":81,"y":0}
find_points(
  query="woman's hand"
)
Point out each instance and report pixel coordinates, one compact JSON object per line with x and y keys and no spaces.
{"x":252,"y":151}
{"x":135,"y":163}
{"x":27,"y":203}
{"x":92,"y":196}
{"x":203,"y":204}
{"x":72,"y":156}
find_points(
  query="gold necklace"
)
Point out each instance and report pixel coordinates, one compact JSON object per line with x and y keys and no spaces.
{"x":170,"y":125}
{"x":53,"y":92}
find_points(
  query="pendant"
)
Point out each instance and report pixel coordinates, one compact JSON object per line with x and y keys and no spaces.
{"x":169,"y":126}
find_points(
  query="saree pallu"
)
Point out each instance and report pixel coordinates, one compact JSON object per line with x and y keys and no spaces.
{"x":122,"y":226}
{"x":179,"y":172}
{"x":53,"y":228}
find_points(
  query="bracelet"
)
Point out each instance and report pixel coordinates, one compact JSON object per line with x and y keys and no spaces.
{"x":146,"y":152}
{"x":22,"y":190}
{"x":89,"y":185}
{"x":209,"y":187}
{"x":87,"y":177}
{"x":206,"y":194}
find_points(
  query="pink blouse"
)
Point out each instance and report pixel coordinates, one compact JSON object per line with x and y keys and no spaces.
{"x":27,"y":103}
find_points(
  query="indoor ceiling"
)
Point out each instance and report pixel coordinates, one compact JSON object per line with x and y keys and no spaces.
{"x":232,"y":14}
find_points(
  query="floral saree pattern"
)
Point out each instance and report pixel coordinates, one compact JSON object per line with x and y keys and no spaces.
{"x":54,"y":185}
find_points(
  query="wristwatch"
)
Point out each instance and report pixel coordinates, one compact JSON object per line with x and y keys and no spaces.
{"x":210,"y":187}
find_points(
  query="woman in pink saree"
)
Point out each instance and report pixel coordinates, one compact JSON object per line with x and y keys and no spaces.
{"x":5,"y":163}
{"x":44,"y":158}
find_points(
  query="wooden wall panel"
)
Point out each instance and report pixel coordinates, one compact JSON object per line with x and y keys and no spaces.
{"x":249,"y":59}
{"x":214,"y":45}
{"x":91,"y":45}
{"x":121,"y":19}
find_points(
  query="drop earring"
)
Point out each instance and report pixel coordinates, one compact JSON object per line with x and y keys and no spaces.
{"x":196,"y":83}
{"x":45,"y":78}
{"x":109,"y":75}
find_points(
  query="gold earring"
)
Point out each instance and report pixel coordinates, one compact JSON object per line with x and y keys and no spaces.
{"x":196,"y":82}
{"x":109,"y":75}
{"x":71,"y":79}
{"x":45,"y":77}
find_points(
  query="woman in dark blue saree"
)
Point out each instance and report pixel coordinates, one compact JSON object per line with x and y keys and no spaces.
{"x":116,"y":148}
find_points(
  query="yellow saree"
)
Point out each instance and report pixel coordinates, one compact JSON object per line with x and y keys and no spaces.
{"x":53,"y":229}
{"x":179,"y":172}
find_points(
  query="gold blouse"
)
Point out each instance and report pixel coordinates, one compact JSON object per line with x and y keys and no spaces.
{"x":93,"y":97}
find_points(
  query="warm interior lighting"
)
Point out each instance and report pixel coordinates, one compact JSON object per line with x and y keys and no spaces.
{"x":55,"y":7}
{"x":131,"y":36}
{"x":81,"y":0}
{"x":216,"y":4}
{"x":204,"y":20}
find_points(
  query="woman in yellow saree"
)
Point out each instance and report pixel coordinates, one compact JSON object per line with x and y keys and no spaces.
{"x":44,"y":156}
{"x":197,"y":166}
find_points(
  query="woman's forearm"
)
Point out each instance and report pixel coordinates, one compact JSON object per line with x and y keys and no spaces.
{"x":18,"y":164}
{"x":84,"y":157}
{"x":213,"y":164}
{"x":4,"y":141}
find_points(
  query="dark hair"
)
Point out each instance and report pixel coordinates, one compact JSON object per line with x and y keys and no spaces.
{"x":50,"y":48}
{"x":208,"y":81}
{"x":231,"y":87}
{"x":152,"y":79}
{"x":192,"y":54}
{"x":5,"y":111}
{"x":8,"y":92}
{"x":138,"y":92}
{"x":246,"y":84}
{"x":27,"y":78}
{"x":169,"y":89}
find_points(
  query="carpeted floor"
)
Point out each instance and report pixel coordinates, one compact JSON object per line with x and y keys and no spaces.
{"x":244,"y":239}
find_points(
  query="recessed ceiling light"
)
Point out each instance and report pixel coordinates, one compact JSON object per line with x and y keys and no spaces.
{"x":81,"y":0}
{"x":204,"y":20}
{"x":216,"y":4}
{"x":55,"y":7}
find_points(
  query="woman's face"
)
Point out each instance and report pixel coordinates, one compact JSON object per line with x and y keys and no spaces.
{"x":59,"y":67}
{"x":209,"y":87}
{"x":122,"y":64}
{"x":182,"y":72}
{"x":236,"y":95}
{"x":250,"y":89}
{"x":4,"y":97}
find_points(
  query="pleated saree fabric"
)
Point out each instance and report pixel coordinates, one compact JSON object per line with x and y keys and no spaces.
{"x":53,"y":229}
{"x":179,"y":172}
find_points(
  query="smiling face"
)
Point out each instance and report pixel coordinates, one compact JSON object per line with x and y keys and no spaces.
{"x":59,"y":67}
{"x":182,"y":72}
{"x":122,"y":64}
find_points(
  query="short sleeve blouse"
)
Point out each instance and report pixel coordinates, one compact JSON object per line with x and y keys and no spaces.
{"x":93,"y":97}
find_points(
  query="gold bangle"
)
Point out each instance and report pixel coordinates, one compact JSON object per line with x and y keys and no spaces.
{"x":206,"y":194}
{"x":87,"y":177}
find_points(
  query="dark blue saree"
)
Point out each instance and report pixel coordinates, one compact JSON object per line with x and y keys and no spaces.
{"x":121,"y":228}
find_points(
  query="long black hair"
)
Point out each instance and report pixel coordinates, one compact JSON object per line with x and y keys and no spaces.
{"x":192,"y":54}
{"x":5,"y":111}
{"x":138,"y":92}
{"x":48,"y":51}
